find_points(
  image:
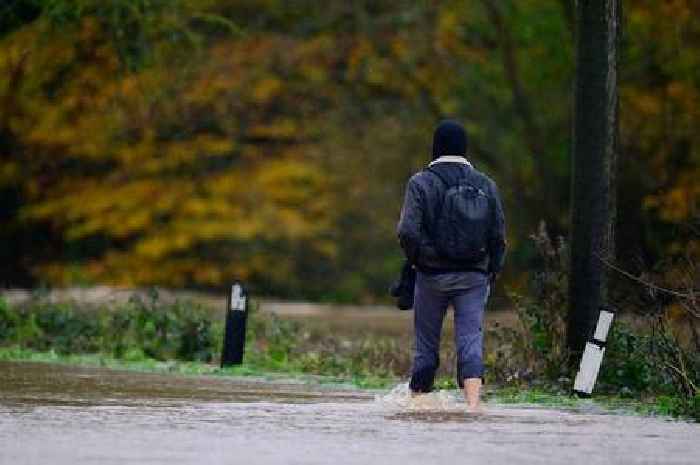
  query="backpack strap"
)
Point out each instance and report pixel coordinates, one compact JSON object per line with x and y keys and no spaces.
{"x":440,"y":177}
{"x":438,"y":212}
{"x":447,"y":184}
{"x":464,"y":179}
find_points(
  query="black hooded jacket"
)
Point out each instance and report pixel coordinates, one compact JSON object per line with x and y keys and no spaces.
{"x":423,"y":197}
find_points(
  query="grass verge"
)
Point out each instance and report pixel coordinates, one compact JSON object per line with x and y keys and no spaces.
{"x":150,"y":365}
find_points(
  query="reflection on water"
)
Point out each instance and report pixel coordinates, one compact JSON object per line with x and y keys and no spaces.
{"x":60,"y":415}
{"x":49,"y":384}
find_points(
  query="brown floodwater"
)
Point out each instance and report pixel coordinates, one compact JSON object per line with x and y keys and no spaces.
{"x":53,"y":414}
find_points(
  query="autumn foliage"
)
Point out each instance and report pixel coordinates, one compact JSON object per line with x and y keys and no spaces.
{"x":188,"y":142}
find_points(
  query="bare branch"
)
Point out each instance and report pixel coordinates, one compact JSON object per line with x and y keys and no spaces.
{"x":683,"y":295}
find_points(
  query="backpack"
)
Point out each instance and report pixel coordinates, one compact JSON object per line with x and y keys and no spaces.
{"x":462,"y":222}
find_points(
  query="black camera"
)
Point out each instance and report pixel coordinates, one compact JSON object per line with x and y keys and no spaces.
{"x":403,"y":288}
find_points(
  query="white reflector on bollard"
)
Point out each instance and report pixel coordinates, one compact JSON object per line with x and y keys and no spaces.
{"x":237,"y":298}
{"x":593,"y":354}
{"x":604,"y":321}
{"x":588,"y":372}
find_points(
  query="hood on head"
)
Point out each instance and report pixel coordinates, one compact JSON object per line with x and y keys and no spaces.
{"x":449,"y":138}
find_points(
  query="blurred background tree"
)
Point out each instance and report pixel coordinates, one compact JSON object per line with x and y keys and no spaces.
{"x":187,"y":142}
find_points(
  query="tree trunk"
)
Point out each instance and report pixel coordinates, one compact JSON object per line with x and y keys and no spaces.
{"x":594,"y":159}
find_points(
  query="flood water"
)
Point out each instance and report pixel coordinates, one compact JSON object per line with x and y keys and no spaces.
{"x":51,"y":414}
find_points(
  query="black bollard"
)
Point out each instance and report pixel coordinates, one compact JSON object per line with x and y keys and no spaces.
{"x":234,"y":334}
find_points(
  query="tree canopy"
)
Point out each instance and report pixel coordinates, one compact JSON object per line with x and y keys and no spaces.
{"x":188,"y":142}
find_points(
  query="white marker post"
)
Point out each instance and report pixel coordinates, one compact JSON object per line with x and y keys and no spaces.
{"x":593,"y":354}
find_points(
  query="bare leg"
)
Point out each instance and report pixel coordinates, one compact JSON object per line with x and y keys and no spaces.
{"x":472,"y":389}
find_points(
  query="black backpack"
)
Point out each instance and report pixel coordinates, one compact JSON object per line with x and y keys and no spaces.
{"x":462,"y":222}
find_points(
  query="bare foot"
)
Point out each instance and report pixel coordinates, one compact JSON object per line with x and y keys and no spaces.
{"x":472,"y":390}
{"x":476,"y":409}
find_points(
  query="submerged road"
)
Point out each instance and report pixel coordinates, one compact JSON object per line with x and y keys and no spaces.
{"x":64,"y":415}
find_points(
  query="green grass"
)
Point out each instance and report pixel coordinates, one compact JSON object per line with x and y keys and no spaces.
{"x":660,"y":405}
{"x":513,"y":395}
{"x":145,"y":364}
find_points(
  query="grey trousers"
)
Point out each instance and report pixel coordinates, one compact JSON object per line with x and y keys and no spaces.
{"x":430,"y":304}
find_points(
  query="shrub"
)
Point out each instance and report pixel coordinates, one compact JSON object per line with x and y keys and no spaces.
{"x":536,"y":350}
{"x":627,"y":368}
{"x":6,"y":320}
{"x":650,"y":361}
{"x":158,"y":330}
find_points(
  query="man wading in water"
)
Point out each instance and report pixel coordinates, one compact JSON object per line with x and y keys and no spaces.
{"x":452,"y":230}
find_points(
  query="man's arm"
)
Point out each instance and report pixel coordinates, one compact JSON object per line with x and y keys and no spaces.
{"x":411,"y":221}
{"x":497,"y":236}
